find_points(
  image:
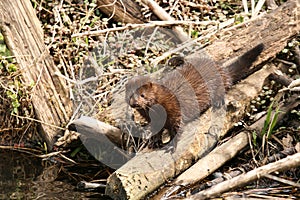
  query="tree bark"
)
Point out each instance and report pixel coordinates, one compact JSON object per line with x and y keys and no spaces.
{"x":273,"y":30}
{"x":122,"y":11}
{"x":24,"y":37}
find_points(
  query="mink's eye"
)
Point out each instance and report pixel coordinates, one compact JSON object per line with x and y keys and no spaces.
{"x":142,"y":95}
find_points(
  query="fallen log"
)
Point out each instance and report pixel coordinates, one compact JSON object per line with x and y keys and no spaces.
{"x":93,"y":128}
{"x":102,"y":140}
{"x":121,"y":11}
{"x":146,"y":172}
{"x":24,"y":37}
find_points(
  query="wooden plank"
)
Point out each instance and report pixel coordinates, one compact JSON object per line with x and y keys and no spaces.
{"x":24,"y":37}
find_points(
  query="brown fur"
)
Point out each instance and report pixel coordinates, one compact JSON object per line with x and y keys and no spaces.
{"x":185,"y":92}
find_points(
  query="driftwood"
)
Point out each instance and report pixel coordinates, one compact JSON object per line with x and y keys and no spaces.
{"x":145,"y":172}
{"x":281,"y":165}
{"x":242,"y":169}
{"x":100,"y":137}
{"x":24,"y":37}
{"x":206,"y":166}
{"x":93,"y":128}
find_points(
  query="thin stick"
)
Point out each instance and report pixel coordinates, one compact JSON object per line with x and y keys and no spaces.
{"x":245,"y":6}
{"x":258,"y":7}
{"x":252,"y":7}
{"x":146,"y":25}
{"x":36,"y":120}
{"x":275,"y":178}
{"x":164,"y":16}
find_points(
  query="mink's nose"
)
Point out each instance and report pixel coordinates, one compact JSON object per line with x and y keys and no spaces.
{"x":133,"y":102}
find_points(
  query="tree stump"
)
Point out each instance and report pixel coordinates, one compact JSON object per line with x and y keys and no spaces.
{"x":24,"y":37}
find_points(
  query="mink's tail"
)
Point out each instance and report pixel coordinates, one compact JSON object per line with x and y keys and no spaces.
{"x":240,"y":68}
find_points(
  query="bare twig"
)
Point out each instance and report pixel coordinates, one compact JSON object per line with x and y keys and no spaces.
{"x":258,"y":7}
{"x":164,"y":16}
{"x":245,"y":5}
{"x":36,"y":120}
{"x":145,"y":25}
{"x":275,"y":178}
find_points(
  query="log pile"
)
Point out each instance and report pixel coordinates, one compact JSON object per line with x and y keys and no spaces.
{"x":147,"y":171}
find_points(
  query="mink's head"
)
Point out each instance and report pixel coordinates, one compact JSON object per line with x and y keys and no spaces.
{"x":139,"y":92}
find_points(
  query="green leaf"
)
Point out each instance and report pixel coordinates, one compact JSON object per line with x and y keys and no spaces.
{"x":11,"y":95}
{"x":12,"y":68}
{"x":76,"y":151}
{"x":45,"y":147}
{"x":267,"y":121}
{"x":15,"y":111}
{"x":254,"y":138}
{"x":273,"y":123}
{"x":32,"y":83}
{"x":16,"y":104}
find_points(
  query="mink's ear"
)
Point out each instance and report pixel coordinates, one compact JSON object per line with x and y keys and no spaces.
{"x":149,"y":85}
{"x":175,"y":61}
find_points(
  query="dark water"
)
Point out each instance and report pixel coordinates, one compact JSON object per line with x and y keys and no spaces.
{"x":23,"y":176}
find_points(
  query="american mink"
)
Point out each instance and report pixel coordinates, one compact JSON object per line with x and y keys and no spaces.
{"x":183,"y":94}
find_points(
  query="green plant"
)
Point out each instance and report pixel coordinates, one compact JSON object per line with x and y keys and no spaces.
{"x":270,"y":122}
{"x":254,"y":138}
{"x":5,"y":55}
{"x":11,"y":68}
{"x":78,"y":149}
{"x":195,"y":34}
{"x":239,"y":19}
{"x":14,"y":101}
